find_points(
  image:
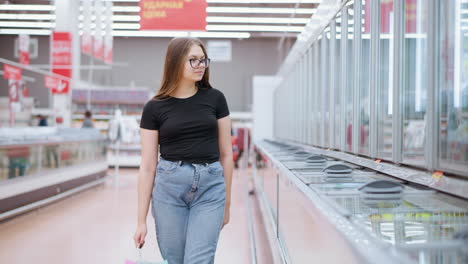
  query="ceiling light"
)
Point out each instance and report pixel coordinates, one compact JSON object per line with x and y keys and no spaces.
{"x":265,"y":1}
{"x":27,"y":24}
{"x":27,"y":16}
{"x":254,"y":28}
{"x":125,"y":9}
{"x":264,"y":20}
{"x":14,"y":31}
{"x":126,"y":26}
{"x":148,"y":33}
{"x":125,"y":18}
{"x":28,"y":7}
{"x":220,"y":34}
{"x":249,"y":1}
{"x":212,"y":9}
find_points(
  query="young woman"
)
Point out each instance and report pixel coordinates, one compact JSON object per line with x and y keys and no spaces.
{"x":190,"y":186}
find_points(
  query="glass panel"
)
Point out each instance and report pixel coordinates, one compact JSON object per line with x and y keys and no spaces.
{"x":350,"y":77}
{"x":24,"y":160}
{"x":453,"y":78}
{"x":326,"y":87}
{"x":364,"y":80}
{"x":314,"y":95}
{"x":414,"y":82}
{"x":319,"y":92}
{"x":308,"y":96}
{"x":337,"y":76}
{"x":385,"y":85}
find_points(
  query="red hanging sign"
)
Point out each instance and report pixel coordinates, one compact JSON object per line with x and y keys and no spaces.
{"x":62,"y":56}
{"x":386,"y":13}
{"x":108,"y":54}
{"x":56,"y":85}
{"x":173,"y":15}
{"x":11,"y":72}
{"x":98,"y":49}
{"x":23,"y":41}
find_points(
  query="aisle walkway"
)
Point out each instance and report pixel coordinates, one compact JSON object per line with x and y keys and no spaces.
{"x":96,"y":226}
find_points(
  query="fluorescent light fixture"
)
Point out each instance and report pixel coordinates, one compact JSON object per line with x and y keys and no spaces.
{"x":264,"y":1}
{"x":259,"y":20}
{"x":170,"y":34}
{"x":126,"y":18}
{"x":253,"y":28}
{"x":27,"y":24}
{"x":28,"y":7}
{"x":125,"y":9}
{"x":14,"y":31}
{"x":27,"y":16}
{"x":223,"y":19}
{"x":126,"y":26}
{"x":249,"y":1}
{"x":148,"y":33}
{"x":213,"y":9}
{"x":259,"y":10}
{"x":220,"y":34}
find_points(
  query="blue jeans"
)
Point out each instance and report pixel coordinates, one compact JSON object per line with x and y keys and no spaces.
{"x":188,"y":209}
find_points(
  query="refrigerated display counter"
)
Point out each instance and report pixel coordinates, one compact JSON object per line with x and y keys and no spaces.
{"x":40,"y":164}
{"x":316,"y":206}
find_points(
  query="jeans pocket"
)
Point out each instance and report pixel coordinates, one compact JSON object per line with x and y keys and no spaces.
{"x":166,"y":166}
{"x":215,"y":168}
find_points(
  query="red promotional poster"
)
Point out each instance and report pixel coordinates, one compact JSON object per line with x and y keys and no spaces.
{"x":386,"y":16}
{"x":108,"y":55}
{"x":98,"y":48}
{"x":24,"y":49}
{"x":56,"y":85}
{"x":173,"y":15}
{"x":13,"y":91}
{"x":11,"y":72}
{"x":87,"y":43}
{"x":61,"y":56}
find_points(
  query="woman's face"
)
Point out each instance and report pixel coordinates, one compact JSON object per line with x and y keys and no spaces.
{"x":193,"y":68}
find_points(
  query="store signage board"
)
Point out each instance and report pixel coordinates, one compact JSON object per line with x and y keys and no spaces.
{"x":386,"y":16}
{"x":87,"y":38}
{"x":219,"y":50}
{"x":61,"y":56}
{"x":24,"y":49}
{"x":173,"y":15}
{"x":11,"y":72}
{"x":56,"y":85}
{"x":98,"y":43}
{"x":108,"y":39}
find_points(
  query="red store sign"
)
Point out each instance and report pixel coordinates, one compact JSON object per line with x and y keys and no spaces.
{"x":11,"y":72}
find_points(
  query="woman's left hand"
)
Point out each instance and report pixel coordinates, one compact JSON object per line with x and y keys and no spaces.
{"x":226,"y":215}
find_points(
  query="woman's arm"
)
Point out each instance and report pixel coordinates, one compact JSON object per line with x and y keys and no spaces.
{"x":146,"y":173}
{"x":225,"y":151}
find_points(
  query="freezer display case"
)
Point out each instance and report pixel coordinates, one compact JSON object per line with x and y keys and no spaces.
{"x":369,"y":216}
{"x":34,"y":151}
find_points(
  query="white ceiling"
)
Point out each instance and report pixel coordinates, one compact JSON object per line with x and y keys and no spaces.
{"x":228,"y":18}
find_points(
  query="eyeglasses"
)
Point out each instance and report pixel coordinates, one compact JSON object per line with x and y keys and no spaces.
{"x":196,"y":62}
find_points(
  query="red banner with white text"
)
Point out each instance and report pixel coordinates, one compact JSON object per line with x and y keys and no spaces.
{"x":173,"y":15}
{"x":62,"y":58}
{"x":11,"y":72}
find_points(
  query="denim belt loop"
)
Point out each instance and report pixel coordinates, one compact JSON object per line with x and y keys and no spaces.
{"x":179,"y":163}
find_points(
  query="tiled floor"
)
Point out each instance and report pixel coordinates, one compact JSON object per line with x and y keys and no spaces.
{"x":96,"y":226}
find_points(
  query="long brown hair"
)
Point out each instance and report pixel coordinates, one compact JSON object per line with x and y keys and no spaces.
{"x":176,"y":54}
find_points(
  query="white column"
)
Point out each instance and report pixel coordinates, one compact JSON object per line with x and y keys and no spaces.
{"x":262,"y":110}
{"x":67,"y":12}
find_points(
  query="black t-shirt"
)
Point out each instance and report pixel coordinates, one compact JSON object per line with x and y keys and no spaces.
{"x":188,"y":128}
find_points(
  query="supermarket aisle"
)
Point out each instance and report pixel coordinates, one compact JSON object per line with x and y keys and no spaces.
{"x":96,"y":226}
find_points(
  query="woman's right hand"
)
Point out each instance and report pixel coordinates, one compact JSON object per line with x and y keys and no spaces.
{"x":140,"y":235}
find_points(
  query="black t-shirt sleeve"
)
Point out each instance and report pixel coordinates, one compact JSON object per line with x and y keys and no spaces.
{"x":149,"y":118}
{"x":222,"y":109}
